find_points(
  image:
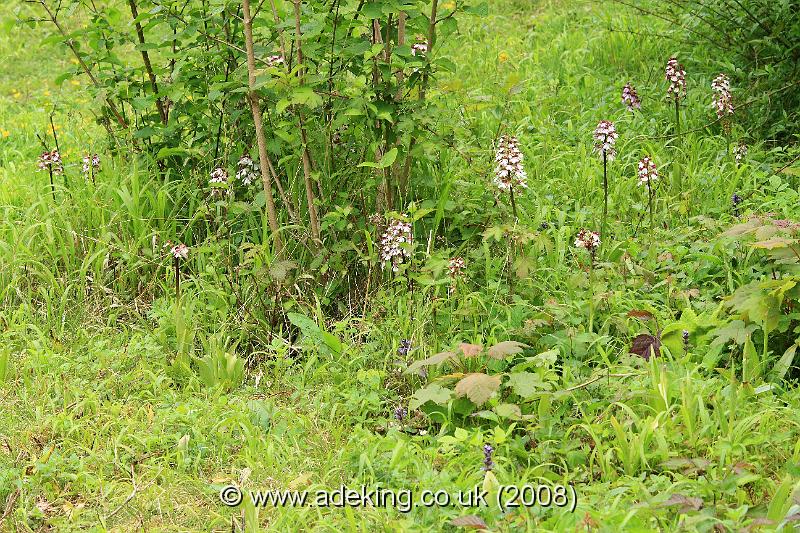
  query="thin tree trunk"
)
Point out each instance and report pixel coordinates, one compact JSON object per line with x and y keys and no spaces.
{"x":255,"y":107}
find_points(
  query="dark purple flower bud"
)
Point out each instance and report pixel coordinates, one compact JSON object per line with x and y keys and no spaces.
{"x":400,"y":413}
{"x":488,"y":451}
{"x":736,"y":200}
{"x":685,"y":336}
{"x":405,"y":347}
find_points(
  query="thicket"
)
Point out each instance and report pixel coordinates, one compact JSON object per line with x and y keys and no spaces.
{"x":756,"y":41}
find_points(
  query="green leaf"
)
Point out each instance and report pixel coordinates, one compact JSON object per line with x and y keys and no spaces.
{"x":784,"y":363}
{"x":387,"y":159}
{"x":736,"y":331}
{"x":526,"y":384}
{"x":432,"y":393}
{"x":508,"y":410}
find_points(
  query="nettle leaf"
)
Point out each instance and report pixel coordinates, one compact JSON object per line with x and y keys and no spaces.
{"x":526,"y":384}
{"x":432,"y":393}
{"x":432,"y":360}
{"x":478,"y":387}
{"x":470,"y":350}
{"x":646,"y":345}
{"x":503,"y":349}
{"x":469,"y":522}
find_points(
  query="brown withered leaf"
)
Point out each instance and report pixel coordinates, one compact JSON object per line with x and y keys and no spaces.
{"x":642,"y":314}
{"x":684,"y":503}
{"x":469,"y":522}
{"x":692,"y":293}
{"x":432,"y":360}
{"x":757,"y":525}
{"x":646,"y":345}
{"x":506,"y":348}
{"x":478,"y":387}
{"x":470,"y":350}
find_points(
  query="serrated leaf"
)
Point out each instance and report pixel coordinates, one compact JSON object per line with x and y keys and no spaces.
{"x":432,"y":393}
{"x":478,"y":387}
{"x":646,"y":345}
{"x":774,"y":243}
{"x":470,"y":350}
{"x":526,"y":384}
{"x":280,"y":269}
{"x":432,"y":360}
{"x":684,"y":503}
{"x":736,"y":331}
{"x":503,"y":349}
{"x":508,"y":410}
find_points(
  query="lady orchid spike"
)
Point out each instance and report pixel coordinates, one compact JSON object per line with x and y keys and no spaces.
{"x":723,"y":102}
{"x":395,"y":244}
{"x":676,"y":76}
{"x":179,"y":252}
{"x":91,"y":165}
{"x":740,"y":152}
{"x":588,"y":240}
{"x":51,"y":161}
{"x":647,"y":174}
{"x":647,"y":171}
{"x":455,"y":267}
{"x":630,"y":97}
{"x":218,"y":181}
{"x":420,"y":47}
{"x":248,"y":170}
{"x":605,"y":135}
{"x":509,"y":174}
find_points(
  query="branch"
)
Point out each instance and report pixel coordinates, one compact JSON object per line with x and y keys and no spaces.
{"x":84,"y":66}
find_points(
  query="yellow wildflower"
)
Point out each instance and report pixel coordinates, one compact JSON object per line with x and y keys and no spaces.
{"x":502,"y":57}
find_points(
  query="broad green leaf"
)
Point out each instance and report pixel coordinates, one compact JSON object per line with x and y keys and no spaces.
{"x":526,"y":384}
{"x":432,"y":393}
{"x":387,"y":159}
